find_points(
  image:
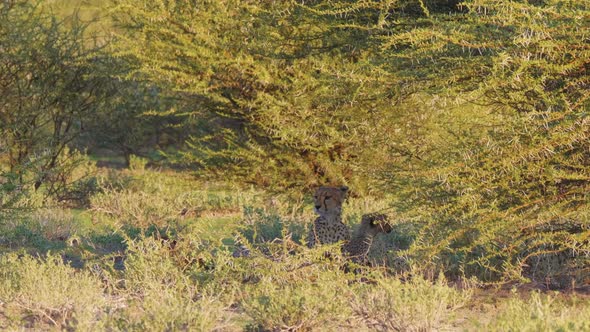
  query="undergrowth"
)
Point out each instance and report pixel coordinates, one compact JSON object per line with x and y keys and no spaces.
{"x":158,"y":252}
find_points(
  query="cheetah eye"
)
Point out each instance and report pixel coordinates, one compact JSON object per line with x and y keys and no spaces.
{"x":328,"y":197}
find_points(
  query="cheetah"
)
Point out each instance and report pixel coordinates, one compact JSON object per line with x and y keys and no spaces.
{"x":328,"y":227}
{"x":371,"y":225}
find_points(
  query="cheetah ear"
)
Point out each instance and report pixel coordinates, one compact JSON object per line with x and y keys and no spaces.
{"x":344,"y":190}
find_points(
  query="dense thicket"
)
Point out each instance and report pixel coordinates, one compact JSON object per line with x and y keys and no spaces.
{"x":61,"y":92}
{"x":516,"y":197}
{"x":48,"y":87}
{"x":288,"y":97}
{"x":475,"y":115}
{"x":471,"y":117}
{"x":50,"y":90}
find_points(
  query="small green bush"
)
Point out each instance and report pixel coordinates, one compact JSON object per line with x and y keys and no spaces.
{"x":162,"y":296}
{"x":137,"y":163}
{"x":319,"y":303}
{"x":43,"y":228}
{"x":261,"y":225}
{"x":153,"y":199}
{"x":55,"y":224}
{"x":415,"y":305}
{"x":541,"y":313}
{"x":39,"y":292}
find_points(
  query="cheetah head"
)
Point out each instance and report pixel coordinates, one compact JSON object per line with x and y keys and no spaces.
{"x":328,"y":200}
{"x":376,"y":223}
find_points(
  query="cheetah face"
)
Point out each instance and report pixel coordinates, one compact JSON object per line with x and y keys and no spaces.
{"x":328,"y":200}
{"x":377,"y":223}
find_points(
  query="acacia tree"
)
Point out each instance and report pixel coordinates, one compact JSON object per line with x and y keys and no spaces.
{"x":49,"y":89}
{"x":504,"y":201}
{"x":474,"y":115}
{"x":286,"y":95}
{"x":137,"y":118}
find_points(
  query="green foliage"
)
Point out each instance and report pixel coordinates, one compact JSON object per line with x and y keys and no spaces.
{"x":37,"y":293}
{"x":155,"y":199}
{"x":306,"y":306}
{"x":468,"y":120}
{"x":74,"y":178}
{"x":184,"y":278}
{"x":49,"y":88}
{"x":137,"y":163}
{"x":136,"y":119}
{"x":261,"y":226}
{"x":67,"y":95}
{"x":493,"y":200}
{"x":165,"y":297}
{"x":12,"y":192}
{"x":417,"y":305}
{"x":541,"y":312}
{"x":241,"y":73}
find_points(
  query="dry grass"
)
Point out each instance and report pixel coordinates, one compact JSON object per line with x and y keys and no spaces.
{"x":184,"y":278}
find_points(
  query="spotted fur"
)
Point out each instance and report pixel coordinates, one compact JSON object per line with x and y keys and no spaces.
{"x":328,"y":227}
{"x":358,"y":247}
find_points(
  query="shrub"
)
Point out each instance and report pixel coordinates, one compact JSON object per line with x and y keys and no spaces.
{"x":47,"y":291}
{"x":48,"y":94}
{"x":137,"y":163}
{"x":161,"y":294}
{"x":541,"y":313}
{"x":55,"y":224}
{"x":137,"y":209}
{"x":305,"y":306}
{"x":261,"y":225}
{"x":416,"y":305}
{"x":153,"y":199}
{"x":75,"y":179}
{"x":43,"y":228}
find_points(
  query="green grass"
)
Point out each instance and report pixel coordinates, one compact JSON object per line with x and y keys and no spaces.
{"x":153,"y":251}
{"x":86,"y":9}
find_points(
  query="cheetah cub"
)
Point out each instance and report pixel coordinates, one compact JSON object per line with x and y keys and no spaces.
{"x":328,"y":227}
{"x":371,"y":225}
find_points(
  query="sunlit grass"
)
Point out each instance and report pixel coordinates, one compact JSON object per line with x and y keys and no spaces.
{"x":154,"y":252}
